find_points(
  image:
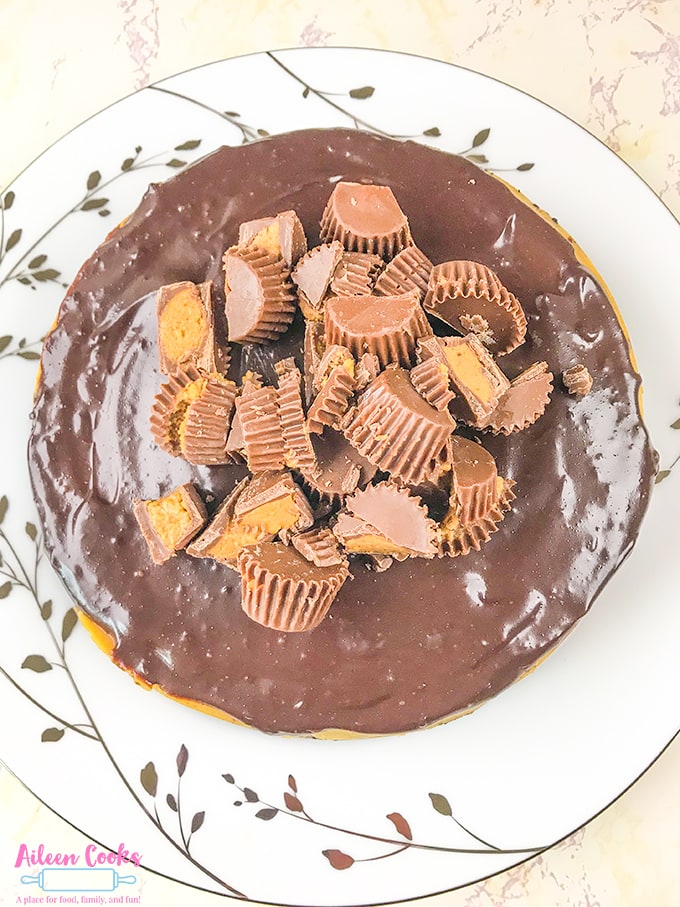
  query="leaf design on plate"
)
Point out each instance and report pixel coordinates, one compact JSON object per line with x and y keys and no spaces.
{"x":432,"y":131}
{"x":172,"y":803}
{"x":4,"y":503}
{"x":305,"y":91}
{"x":338,"y":859}
{"x":68,"y":624}
{"x":94,"y":179}
{"x":46,"y":609}
{"x":37,"y":262}
{"x":175,"y":162}
{"x":182,"y":759}
{"x":188,"y":145}
{"x":93,"y":203}
{"x":5,"y":589}
{"x":250,"y":795}
{"x":360,"y":94}
{"x":266,"y":814}
{"x":149,"y":779}
{"x":524,"y":167}
{"x":229,"y":779}
{"x":52,"y":734}
{"x":5,"y":342}
{"x":31,"y":531}
{"x":481,"y":137}
{"x":676,"y":424}
{"x":37,"y":663}
{"x":47,"y":274}
{"x":30,"y":355}
{"x":401,"y":825}
{"x":292,"y":803}
{"x":13,"y":239}
{"x":197,"y":821}
{"x":8,"y":200}
{"x":127,"y":164}
{"x":660,"y":476}
{"x":478,"y":158}
{"x":441,"y":804}
{"x":292,"y":784}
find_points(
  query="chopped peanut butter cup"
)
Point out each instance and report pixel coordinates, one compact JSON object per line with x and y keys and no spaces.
{"x":191,"y":414}
{"x":474,"y":486}
{"x":523,"y":403}
{"x":169,"y":523}
{"x":456,"y":538}
{"x":258,"y":413}
{"x":281,"y":589}
{"x":577,"y":380}
{"x":313,"y":350}
{"x":470,"y":297}
{"x":299,"y":453}
{"x":339,"y":470}
{"x":186,"y":328}
{"x":431,"y":379}
{"x":315,"y":270}
{"x":365,"y":218}
{"x":409,"y":270}
{"x":478,"y":382}
{"x":332,"y":401}
{"x":355,"y":274}
{"x":282,"y":236}
{"x":400,"y":522}
{"x":260,"y":296}
{"x":367,"y":368}
{"x":395,"y":429}
{"x":319,"y":546}
{"x":387,"y":326}
{"x":224,"y":537}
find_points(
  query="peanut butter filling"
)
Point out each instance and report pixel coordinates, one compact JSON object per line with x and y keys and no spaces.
{"x":182,"y":324}
{"x":466,"y":367}
{"x":170,"y":518}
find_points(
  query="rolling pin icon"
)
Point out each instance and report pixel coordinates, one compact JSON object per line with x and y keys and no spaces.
{"x":69,"y":879}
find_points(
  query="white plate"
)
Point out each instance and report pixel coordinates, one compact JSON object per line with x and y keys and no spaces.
{"x":428,"y":811}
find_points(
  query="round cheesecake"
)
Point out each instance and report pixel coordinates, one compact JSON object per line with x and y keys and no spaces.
{"x":401,"y":649}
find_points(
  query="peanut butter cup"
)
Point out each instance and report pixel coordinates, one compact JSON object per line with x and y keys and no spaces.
{"x":365,"y":218}
{"x":396,"y":429}
{"x":468,"y":295}
{"x":457,"y":538}
{"x":314,"y":271}
{"x":191,"y":414}
{"x":169,"y":523}
{"x":387,"y":326}
{"x":258,"y":413}
{"x":474,"y":485}
{"x":186,"y":328}
{"x":299,"y":453}
{"x":478,"y":382}
{"x":577,"y":380}
{"x":398,"y":520}
{"x":260,"y":296}
{"x":431,"y":379}
{"x":282,"y":236}
{"x":319,"y":546}
{"x":523,"y":402}
{"x":282,"y":590}
{"x":355,"y":274}
{"x":408,"y":271}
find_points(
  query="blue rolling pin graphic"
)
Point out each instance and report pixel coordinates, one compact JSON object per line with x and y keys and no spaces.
{"x":73,"y":879}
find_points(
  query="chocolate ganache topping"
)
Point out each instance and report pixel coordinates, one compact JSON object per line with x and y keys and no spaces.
{"x":399,"y":649}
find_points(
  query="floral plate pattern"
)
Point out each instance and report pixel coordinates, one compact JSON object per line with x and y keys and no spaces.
{"x":293,"y":821}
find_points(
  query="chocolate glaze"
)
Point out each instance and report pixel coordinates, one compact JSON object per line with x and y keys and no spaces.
{"x":399,"y":649}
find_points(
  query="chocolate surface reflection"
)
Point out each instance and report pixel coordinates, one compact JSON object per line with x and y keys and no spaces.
{"x":399,"y":649}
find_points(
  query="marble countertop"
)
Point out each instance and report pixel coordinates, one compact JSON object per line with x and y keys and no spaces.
{"x":611,"y":65}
